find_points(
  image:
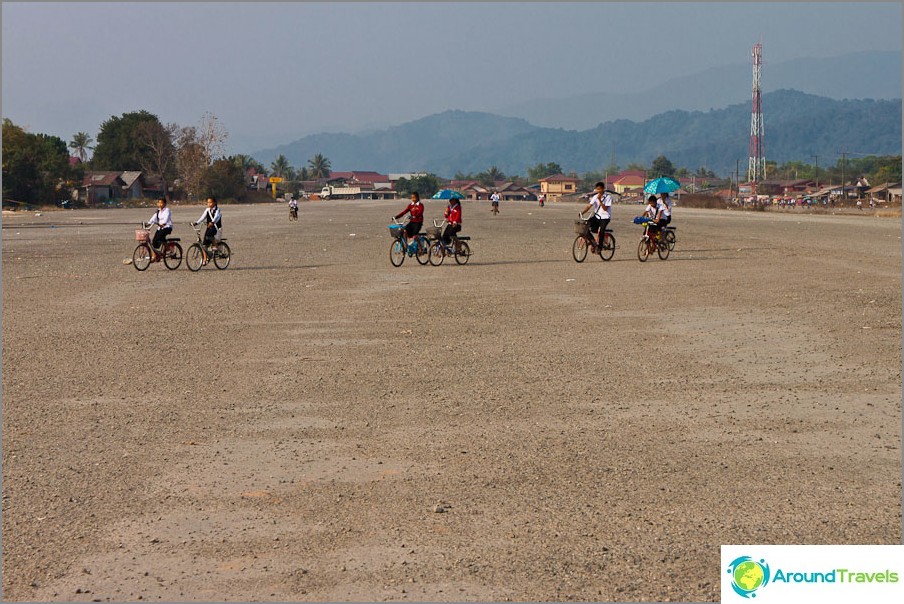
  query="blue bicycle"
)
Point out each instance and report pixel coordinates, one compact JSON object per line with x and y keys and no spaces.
{"x":401,"y":247}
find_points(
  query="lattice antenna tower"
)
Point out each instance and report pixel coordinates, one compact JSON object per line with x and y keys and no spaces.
{"x":756,"y":164}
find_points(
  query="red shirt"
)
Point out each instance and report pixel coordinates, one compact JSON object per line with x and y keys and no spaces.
{"x":453,"y":214}
{"x":417,"y":211}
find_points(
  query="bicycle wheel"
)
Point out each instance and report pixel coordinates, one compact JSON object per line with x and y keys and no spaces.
{"x":579,"y":249}
{"x":607,"y":250}
{"x":397,"y":252}
{"x":670,"y":239}
{"x":172,"y":255}
{"x":221,"y":255}
{"x":663,"y":249}
{"x":437,"y":254}
{"x":141,"y":257}
{"x":643,"y":249}
{"x":423,"y":251}
{"x":464,"y":254}
{"x":194,"y":257}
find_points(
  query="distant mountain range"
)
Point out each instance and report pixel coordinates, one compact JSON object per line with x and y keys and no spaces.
{"x":797,"y":126}
{"x":862,"y":75}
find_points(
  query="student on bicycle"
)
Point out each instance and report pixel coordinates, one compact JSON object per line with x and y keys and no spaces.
{"x":664,"y":211}
{"x":453,"y":222}
{"x":494,"y":198}
{"x":214,"y":220}
{"x":601,"y":204}
{"x":293,"y":207}
{"x":163,"y":218}
{"x":651,"y":208}
{"x":416,"y":209}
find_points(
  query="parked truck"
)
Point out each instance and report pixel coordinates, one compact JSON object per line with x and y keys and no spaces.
{"x":331,"y":192}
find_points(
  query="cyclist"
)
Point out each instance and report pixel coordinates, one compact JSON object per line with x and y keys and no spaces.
{"x":416,"y":209}
{"x":163,"y":218}
{"x":601,"y":204}
{"x":293,"y":207}
{"x":664,"y":214}
{"x":453,"y":223}
{"x":650,"y":210}
{"x":214,"y":220}
{"x":494,"y":199}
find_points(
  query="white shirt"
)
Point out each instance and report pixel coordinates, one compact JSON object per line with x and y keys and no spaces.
{"x":665,"y":206}
{"x":212,"y":216}
{"x":601,"y":207}
{"x":495,"y":197}
{"x":162,"y":218}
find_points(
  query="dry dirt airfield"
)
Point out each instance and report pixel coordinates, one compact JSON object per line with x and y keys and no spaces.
{"x":314,"y":424}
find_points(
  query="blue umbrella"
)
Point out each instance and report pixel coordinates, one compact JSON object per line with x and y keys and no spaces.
{"x":663,"y":184}
{"x":448,"y":194}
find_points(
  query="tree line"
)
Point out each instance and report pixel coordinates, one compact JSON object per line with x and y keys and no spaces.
{"x":189,"y":161}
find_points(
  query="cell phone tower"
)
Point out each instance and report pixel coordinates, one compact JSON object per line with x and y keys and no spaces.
{"x":756,"y":165}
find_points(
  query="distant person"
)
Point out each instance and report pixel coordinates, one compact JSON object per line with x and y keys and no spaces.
{"x":494,"y":200}
{"x":453,"y":223}
{"x":601,"y":204}
{"x":542,"y":199}
{"x":163,"y":218}
{"x":416,"y":210}
{"x":293,"y":208}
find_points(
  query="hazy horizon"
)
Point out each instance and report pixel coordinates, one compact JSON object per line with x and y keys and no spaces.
{"x":273,"y":72}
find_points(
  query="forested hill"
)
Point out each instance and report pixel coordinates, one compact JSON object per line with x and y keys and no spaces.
{"x":797,"y":126}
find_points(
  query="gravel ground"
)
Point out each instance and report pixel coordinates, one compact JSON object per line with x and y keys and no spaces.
{"x":314,"y":424}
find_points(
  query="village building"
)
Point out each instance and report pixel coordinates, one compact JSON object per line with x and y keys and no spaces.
{"x":557,"y":186}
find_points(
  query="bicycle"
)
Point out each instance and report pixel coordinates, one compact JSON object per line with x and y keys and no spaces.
{"x":200,"y":254}
{"x":495,"y":207}
{"x":650,"y":243}
{"x":439,"y":249}
{"x":668,"y":234}
{"x":293,"y":214}
{"x":144,"y":254}
{"x":585,"y":241}
{"x":401,"y":247}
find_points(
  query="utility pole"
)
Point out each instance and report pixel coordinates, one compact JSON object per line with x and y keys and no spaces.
{"x":843,"y":192}
{"x":816,"y":159}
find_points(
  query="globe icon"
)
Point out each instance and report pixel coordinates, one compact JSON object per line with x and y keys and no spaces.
{"x":748,"y":575}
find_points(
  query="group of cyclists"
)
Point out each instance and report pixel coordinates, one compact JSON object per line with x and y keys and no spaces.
{"x":415,"y":210}
{"x":659,"y":211}
{"x":163,"y":218}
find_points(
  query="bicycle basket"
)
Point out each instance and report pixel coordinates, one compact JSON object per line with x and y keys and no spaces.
{"x":433,"y":232}
{"x":142,"y":234}
{"x":581,"y":227}
{"x":396,"y":230}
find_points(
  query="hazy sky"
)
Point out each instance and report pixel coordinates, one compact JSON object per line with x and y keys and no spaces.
{"x":272,"y":72}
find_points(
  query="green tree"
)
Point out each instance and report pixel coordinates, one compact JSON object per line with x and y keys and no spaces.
{"x":224,"y":179}
{"x":35,"y":166}
{"x":661,"y":166}
{"x":426,"y":185}
{"x":280,"y":167}
{"x":120,"y":145}
{"x":81,"y":144}
{"x":542,"y":170}
{"x":320,"y":166}
{"x":490,"y":177}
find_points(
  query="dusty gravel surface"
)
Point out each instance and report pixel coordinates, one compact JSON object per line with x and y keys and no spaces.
{"x":314,"y":424}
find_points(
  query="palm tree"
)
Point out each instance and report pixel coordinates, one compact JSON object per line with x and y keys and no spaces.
{"x":81,"y":144}
{"x":280,"y":166}
{"x":320,"y":166}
